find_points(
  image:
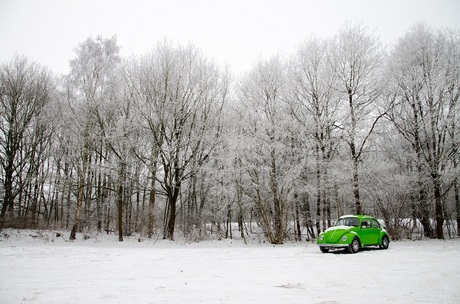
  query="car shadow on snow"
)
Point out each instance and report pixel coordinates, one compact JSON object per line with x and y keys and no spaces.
{"x":361,"y":250}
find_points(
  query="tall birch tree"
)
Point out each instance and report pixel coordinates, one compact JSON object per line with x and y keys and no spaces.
{"x":268,"y":171}
{"x":90,"y":87}
{"x":314,"y":105}
{"x":356,"y":60}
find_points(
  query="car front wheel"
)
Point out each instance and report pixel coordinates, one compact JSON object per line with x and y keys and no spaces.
{"x":385,"y":243}
{"x":354,"y":246}
{"x":324,"y":249}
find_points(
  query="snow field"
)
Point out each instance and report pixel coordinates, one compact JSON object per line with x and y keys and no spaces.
{"x":46,"y":269}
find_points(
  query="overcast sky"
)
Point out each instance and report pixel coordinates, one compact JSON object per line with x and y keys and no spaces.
{"x":233,"y":32}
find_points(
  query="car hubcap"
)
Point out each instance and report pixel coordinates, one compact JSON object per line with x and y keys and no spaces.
{"x":385,"y":243}
{"x":355,"y":246}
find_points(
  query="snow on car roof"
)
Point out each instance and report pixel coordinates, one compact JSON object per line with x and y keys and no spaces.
{"x":356,"y":215}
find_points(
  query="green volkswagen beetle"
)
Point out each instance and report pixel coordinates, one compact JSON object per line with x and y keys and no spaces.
{"x":354,"y":232}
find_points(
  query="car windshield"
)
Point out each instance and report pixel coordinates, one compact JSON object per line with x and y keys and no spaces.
{"x":348,"y":221}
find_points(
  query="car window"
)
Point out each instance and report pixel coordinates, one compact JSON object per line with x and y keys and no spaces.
{"x":354,"y":222}
{"x":366,"y":224}
{"x":375,"y":224}
{"x":348,"y":221}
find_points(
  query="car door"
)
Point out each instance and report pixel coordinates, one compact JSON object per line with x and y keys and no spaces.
{"x":369,"y":232}
{"x":365,"y":232}
{"x":375,"y":232}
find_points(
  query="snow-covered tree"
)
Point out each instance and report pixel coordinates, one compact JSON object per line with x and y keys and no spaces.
{"x":182,"y":94}
{"x":25,"y":90}
{"x":314,"y":105}
{"x":356,"y":58}
{"x":91,"y":92}
{"x":424,"y":67}
{"x":267,"y":158}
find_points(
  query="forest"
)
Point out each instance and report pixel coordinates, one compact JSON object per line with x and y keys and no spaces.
{"x":169,"y":144}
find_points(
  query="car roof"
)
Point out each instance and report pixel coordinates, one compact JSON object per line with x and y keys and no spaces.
{"x":360,"y":216}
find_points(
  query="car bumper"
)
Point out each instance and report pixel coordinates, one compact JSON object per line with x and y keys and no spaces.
{"x":333,"y":245}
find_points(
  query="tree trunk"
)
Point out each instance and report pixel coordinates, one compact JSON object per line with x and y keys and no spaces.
{"x":326,"y":192}
{"x":241,"y":225}
{"x":457,"y":205}
{"x":438,"y":208}
{"x":173,"y":194}
{"x":151,"y":219}
{"x":456,"y":196}
{"x":81,"y":194}
{"x":171,"y":219}
{"x":8,"y":200}
{"x":99,"y":201}
{"x":422,"y":211}
{"x":279,"y":227}
{"x":359,"y":209}
{"x":228,"y":231}
{"x":318,"y":191}
{"x":297,"y":218}
{"x":240,"y":213}
{"x":354,"y":154}
{"x":81,"y":191}
{"x":121,"y":179}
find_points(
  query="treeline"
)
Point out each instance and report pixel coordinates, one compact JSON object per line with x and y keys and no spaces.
{"x":171,"y":143}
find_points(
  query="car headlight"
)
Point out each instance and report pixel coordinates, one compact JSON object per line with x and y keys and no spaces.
{"x":344,"y":238}
{"x":321,"y":237}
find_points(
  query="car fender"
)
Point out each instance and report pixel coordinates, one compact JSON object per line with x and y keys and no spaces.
{"x":352,"y":235}
{"x":382,"y":234}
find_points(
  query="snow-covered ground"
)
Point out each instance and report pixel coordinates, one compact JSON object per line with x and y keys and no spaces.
{"x":38,"y":267}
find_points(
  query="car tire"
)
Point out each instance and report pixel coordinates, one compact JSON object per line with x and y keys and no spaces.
{"x":324,"y":249}
{"x":385,"y":242}
{"x":354,"y":246}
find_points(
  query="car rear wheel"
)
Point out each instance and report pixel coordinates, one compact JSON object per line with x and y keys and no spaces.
{"x":324,"y":249}
{"x":354,"y":246}
{"x":385,"y":243}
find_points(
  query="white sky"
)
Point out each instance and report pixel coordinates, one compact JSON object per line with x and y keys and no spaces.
{"x":233,"y":32}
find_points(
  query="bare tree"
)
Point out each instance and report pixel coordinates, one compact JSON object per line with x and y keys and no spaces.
{"x":90,"y":87}
{"x":149,"y":79}
{"x":266,"y":157}
{"x":315,"y":107}
{"x":356,"y":60}
{"x":425,"y":69}
{"x":183,"y":94}
{"x":141,"y":83}
{"x":25,"y":89}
